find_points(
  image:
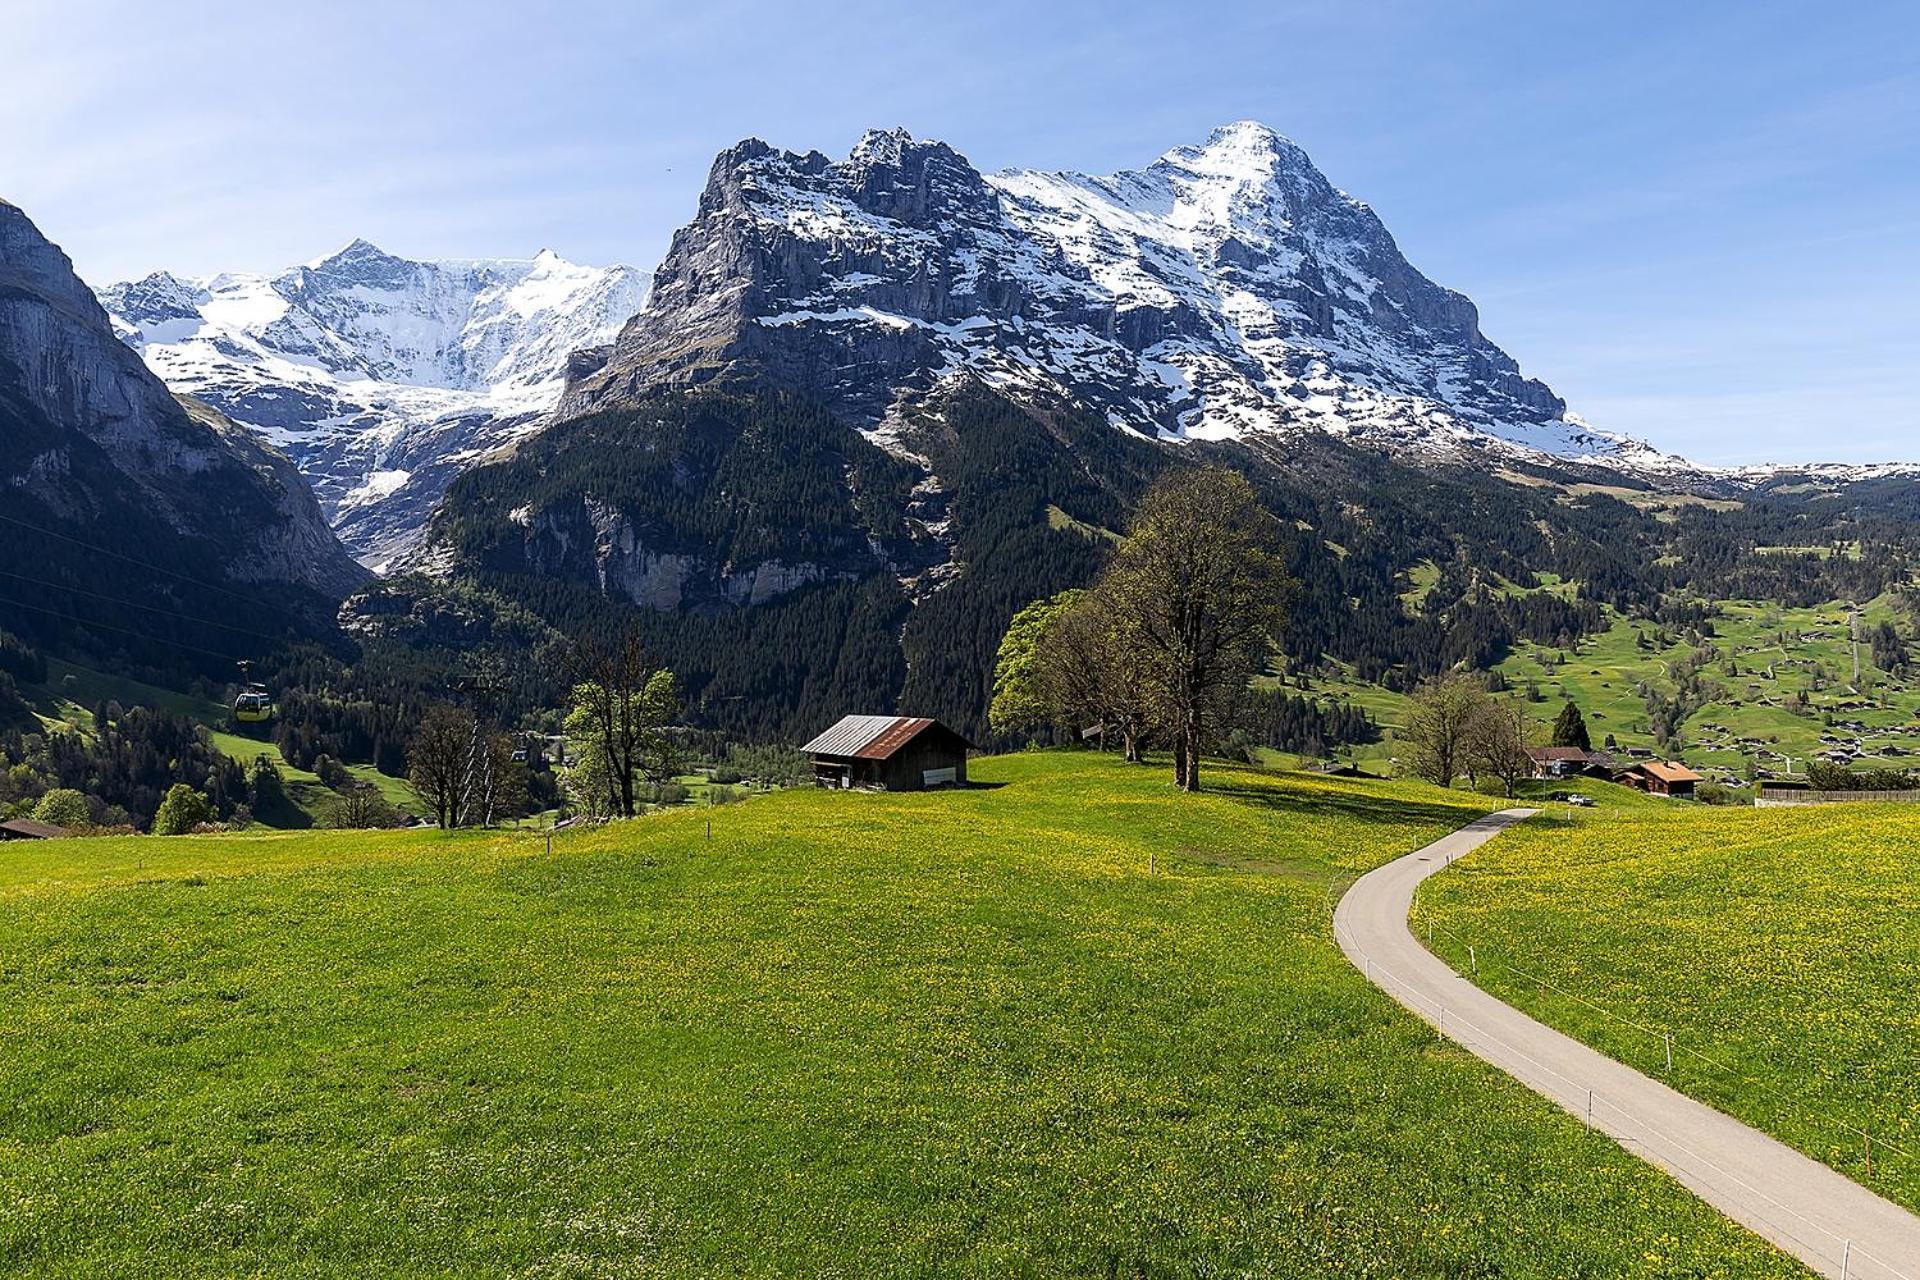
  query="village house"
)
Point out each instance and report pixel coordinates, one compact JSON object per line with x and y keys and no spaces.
{"x":1661,"y":778}
{"x":1569,"y":762}
{"x":889,"y":753}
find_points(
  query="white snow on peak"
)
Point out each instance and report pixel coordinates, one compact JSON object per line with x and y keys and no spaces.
{"x":883,"y":145}
{"x":1264,"y":298}
{"x":379,"y":375}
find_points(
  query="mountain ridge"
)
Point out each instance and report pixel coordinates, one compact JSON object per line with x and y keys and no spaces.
{"x":95,"y":449}
{"x":1226,"y":291}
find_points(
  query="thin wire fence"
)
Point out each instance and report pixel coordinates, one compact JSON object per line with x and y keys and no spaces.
{"x":1673,"y":1042}
{"x":1856,"y":1262}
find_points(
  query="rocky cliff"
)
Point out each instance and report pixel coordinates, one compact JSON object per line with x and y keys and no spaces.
{"x":87,"y":431}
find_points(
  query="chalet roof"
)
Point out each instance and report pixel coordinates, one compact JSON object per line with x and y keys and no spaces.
{"x":872,"y":737}
{"x":1545,"y":755}
{"x":32,"y":830}
{"x":1670,"y":771}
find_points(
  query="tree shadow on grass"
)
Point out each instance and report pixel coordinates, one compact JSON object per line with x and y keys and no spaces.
{"x":1347,"y":805}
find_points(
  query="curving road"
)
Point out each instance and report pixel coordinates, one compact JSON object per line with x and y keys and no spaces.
{"x":1831,"y":1223}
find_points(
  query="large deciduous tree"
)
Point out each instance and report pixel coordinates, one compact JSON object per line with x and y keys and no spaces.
{"x":1438,"y":729}
{"x":440,"y":757}
{"x":1196,"y":591}
{"x":1497,"y":743}
{"x":1091,"y":675}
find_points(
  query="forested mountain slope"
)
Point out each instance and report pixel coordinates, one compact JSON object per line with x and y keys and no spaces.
{"x":133,"y":524}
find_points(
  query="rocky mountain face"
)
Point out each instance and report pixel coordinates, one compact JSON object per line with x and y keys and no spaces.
{"x":874,"y":405}
{"x":380,"y":376}
{"x":1227,"y":292}
{"x":93,"y":443}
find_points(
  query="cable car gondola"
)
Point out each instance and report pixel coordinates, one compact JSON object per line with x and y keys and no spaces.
{"x":254,"y":705}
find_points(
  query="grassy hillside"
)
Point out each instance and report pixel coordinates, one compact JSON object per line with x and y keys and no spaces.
{"x":1779,"y":947}
{"x":1066,"y":1023}
{"x":1767,"y":658}
{"x":71,"y":693}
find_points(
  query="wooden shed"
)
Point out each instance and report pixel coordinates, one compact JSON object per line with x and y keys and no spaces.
{"x":889,"y":753}
{"x":27,"y":829}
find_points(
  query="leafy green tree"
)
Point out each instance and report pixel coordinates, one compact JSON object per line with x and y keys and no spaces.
{"x":62,"y":807}
{"x":663,"y":756}
{"x":266,"y":789}
{"x":1199,"y":592}
{"x":1437,"y":733}
{"x":1570,"y":728}
{"x":181,"y":811}
{"x":1019,"y":705}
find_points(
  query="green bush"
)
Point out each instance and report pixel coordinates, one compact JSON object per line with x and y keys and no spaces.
{"x":775,"y":766}
{"x":663,"y":793}
{"x":181,"y":811}
{"x":62,"y":808}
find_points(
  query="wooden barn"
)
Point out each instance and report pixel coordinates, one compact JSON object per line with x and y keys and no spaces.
{"x":27,"y":829}
{"x":889,"y":753}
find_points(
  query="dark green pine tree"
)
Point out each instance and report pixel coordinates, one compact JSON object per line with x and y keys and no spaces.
{"x":1570,"y":728}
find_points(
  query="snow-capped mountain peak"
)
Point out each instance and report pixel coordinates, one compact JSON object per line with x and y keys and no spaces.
{"x":381,"y":375}
{"x":1226,"y":291}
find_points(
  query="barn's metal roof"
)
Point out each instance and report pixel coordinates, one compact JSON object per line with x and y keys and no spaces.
{"x":32,"y":830}
{"x":868,"y":737}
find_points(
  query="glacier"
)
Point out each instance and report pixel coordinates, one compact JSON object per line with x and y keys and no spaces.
{"x":381,"y":376}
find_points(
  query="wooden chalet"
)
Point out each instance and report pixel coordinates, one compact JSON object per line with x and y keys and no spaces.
{"x":889,"y":753}
{"x":1661,"y":778}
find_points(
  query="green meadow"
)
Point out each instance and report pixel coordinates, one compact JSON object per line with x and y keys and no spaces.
{"x":1778,"y":947}
{"x":1769,"y":658}
{"x":1067,"y":1022}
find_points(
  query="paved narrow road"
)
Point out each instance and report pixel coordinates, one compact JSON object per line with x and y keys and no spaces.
{"x":1831,"y":1223}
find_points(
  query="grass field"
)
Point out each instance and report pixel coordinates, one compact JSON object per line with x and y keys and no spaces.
{"x":1064,"y":1023}
{"x":1781,"y":948}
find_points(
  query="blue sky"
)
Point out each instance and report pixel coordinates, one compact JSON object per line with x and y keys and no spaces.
{"x":1697,"y":222}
